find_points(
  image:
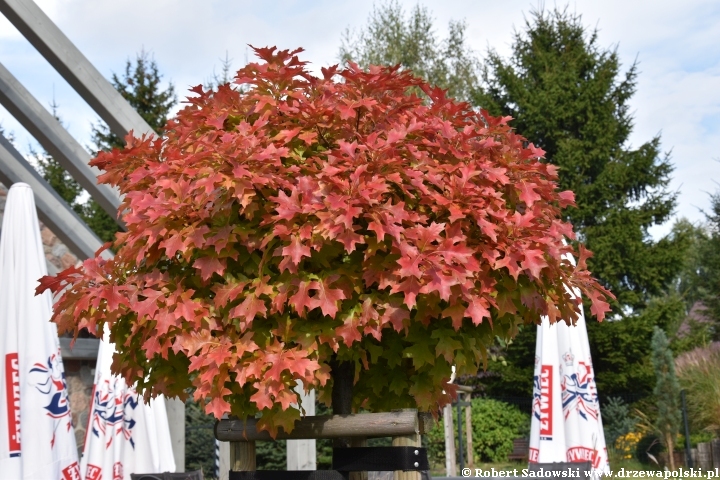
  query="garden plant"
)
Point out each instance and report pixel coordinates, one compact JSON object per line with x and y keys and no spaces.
{"x":358,"y":231}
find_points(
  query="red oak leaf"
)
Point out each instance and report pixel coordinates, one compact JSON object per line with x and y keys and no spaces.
{"x":296,"y":250}
{"x":218,"y":407}
{"x":327,"y":298}
{"x":534,"y":261}
{"x":528,"y":194}
{"x":477,"y":310}
{"x":208,"y":266}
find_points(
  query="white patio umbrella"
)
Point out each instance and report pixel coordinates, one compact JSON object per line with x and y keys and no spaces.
{"x":566,"y":424}
{"x":37,"y":440}
{"x":124,"y":435}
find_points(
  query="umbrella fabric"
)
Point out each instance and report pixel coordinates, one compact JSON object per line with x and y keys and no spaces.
{"x":124,"y":435}
{"x":566,"y":424}
{"x":37,"y":440}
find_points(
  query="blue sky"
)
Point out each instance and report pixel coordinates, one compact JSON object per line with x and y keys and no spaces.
{"x":677,"y":47}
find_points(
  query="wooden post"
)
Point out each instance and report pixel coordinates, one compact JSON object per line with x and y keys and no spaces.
{"x":450,"y":467}
{"x":406,"y":441}
{"x":242,"y":456}
{"x":358,"y":442}
{"x":468,"y":435}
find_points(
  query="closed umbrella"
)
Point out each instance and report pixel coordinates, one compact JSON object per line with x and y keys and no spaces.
{"x":566,"y":424}
{"x":37,"y":440}
{"x":124,"y":435}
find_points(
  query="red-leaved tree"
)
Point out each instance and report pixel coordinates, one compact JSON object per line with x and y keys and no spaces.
{"x":300,"y":223}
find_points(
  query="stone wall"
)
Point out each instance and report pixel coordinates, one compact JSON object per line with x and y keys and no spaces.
{"x":79,"y":374}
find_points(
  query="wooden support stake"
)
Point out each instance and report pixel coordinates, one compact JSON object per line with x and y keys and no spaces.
{"x":406,"y":441}
{"x":358,"y":442}
{"x":242,"y":456}
{"x":450,"y":466}
{"x":468,"y":436}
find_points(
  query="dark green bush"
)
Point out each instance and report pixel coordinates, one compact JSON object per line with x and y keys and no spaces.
{"x":495,"y":425}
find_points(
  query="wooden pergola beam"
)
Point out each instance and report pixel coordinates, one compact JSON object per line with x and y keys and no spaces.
{"x":52,"y":210}
{"x":53,"y":137}
{"x":77,"y":70}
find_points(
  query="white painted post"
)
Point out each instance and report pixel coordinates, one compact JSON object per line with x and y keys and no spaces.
{"x":301,"y":454}
{"x":176,"y":421}
{"x":224,"y":460}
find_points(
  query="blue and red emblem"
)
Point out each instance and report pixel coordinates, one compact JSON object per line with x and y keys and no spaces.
{"x":578,"y":389}
{"x":49,"y":379}
{"x":114,"y":412}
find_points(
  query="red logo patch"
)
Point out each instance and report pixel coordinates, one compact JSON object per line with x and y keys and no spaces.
{"x":546,"y":401}
{"x":118,"y":471}
{"x":93,"y":472}
{"x":12,"y":389}
{"x":71,"y":472}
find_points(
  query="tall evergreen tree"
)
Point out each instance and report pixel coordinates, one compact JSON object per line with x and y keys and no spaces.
{"x":569,"y":96}
{"x":667,"y":393}
{"x":393,"y":37}
{"x":141,"y":86}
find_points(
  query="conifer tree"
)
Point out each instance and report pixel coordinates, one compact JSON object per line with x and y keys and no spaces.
{"x":667,"y":393}
{"x":569,"y":95}
{"x":393,"y":37}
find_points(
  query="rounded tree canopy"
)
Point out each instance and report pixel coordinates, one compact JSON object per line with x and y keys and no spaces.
{"x":294,"y":220}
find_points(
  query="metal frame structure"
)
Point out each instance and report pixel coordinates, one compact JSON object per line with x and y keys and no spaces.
{"x":119,"y":115}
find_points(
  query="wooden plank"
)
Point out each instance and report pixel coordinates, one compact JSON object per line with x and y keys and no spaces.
{"x":242,"y":457}
{"x":412,"y":440}
{"x":427,"y":422}
{"x":369,"y":425}
{"x":450,"y":459}
{"x":74,"y":67}
{"x":53,"y":137}
{"x":52,"y":210}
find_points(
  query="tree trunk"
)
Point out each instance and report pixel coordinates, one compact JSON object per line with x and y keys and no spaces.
{"x":671,"y":451}
{"x":343,"y":376}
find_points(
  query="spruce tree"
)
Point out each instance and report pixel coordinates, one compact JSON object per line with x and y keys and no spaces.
{"x":667,"y":393}
{"x":568,"y":95}
{"x":141,"y":86}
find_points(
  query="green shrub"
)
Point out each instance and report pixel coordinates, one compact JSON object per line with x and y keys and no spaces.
{"x":495,"y":425}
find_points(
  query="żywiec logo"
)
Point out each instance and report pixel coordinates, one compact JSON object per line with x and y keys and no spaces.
{"x":584,"y":454}
{"x":118,"y":471}
{"x":49,"y":379}
{"x":543,"y":401}
{"x":12,"y":391}
{"x":114,"y":412}
{"x":93,"y":472}
{"x":578,"y":389}
{"x":71,"y":472}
